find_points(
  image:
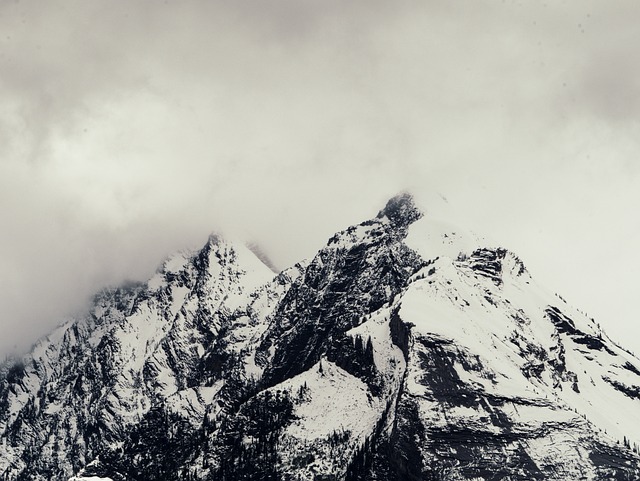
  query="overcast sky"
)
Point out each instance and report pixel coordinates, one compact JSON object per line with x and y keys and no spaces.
{"x":129,"y":129}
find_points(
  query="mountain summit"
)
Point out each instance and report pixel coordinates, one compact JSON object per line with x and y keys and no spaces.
{"x":406,"y":349}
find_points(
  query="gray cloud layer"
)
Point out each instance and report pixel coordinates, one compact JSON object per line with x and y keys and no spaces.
{"x":130,"y":129}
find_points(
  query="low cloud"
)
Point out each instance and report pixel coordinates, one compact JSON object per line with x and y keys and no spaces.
{"x":132,"y":129}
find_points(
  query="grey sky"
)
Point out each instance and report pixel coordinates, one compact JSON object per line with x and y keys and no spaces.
{"x":129,"y":129}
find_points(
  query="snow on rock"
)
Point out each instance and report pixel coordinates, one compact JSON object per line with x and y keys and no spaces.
{"x":407,"y":348}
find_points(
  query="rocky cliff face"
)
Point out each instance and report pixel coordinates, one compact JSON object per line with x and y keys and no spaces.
{"x":404,"y":350}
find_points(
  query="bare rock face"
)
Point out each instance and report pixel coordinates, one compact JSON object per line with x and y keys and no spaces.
{"x":404,"y":350}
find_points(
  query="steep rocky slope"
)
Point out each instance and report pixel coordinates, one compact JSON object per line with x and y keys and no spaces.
{"x":405,"y":349}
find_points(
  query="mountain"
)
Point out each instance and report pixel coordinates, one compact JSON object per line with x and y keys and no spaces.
{"x":406,"y":349}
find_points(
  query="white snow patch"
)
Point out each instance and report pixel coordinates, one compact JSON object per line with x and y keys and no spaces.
{"x":338,"y":401}
{"x":89,"y":478}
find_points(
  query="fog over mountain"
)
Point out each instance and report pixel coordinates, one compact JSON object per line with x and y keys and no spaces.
{"x":132,"y":129}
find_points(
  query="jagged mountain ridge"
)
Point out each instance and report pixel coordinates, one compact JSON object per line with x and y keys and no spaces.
{"x":405,"y":349}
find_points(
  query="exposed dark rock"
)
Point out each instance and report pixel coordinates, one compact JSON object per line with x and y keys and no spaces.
{"x":566,"y":326}
{"x":401,"y":210}
{"x":630,"y":367}
{"x":355,"y":356}
{"x":631,"y":391}
{"x":338,"y":289}
{"x":488,"y":263}
{"x":400,"y":333}
{"x":614,"y":463}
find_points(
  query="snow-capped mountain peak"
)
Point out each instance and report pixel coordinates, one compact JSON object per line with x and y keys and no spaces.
{"x":407,"y":348}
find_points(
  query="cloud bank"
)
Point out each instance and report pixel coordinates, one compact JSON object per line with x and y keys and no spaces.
{"x":131,"y":129}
